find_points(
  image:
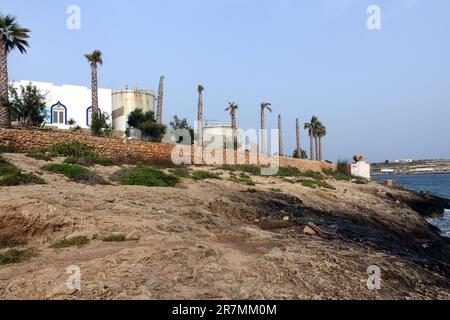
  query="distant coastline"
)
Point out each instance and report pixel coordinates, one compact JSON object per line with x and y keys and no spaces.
{"x":412,"y":167}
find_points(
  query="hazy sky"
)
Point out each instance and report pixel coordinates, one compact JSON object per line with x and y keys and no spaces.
{"x":385,"y":93}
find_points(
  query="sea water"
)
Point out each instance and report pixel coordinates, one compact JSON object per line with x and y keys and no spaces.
{"x":436,"y":184}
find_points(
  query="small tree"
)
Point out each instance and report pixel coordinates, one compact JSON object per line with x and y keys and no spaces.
{"x":147,"y":124}
{"x":303,"y":154}
{"x":100,"y":125}
{"x":180,"y":124}
{"x":27,"y":106}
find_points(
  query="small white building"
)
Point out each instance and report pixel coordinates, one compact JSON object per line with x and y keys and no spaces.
{"x":67,"y":102}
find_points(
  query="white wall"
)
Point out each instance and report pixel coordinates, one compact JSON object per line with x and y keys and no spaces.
{"x":76,"y":99}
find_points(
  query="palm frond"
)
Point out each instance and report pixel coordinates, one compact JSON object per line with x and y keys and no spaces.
{"x":12,"y":34}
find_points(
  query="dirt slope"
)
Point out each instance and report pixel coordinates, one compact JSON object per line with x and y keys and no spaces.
{"x":206,"y":240}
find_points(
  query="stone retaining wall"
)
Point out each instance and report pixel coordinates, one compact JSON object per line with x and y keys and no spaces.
{"x":132,"y":151}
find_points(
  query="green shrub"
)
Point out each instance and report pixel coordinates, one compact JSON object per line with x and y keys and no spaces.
{"x":342,"y":166}
{"x":39,"y":155}
{"x":143,"y":175}
{"x":180,"y":171}
{"x":315,"y":184}
{"x":255,"y":170}
{"x":70,"y":149}
{"x":243,"y":179}
{"x":114,"y":238}
{"x":202,"y":175}
{"x":10,"y":175}
{"x":75,"y":173}
{"x":276,"y":190}
{"x":288,"y":172}
{"x":77,"y":153}
{"x":6,"y":242}
{"x":71,"y":242}
{"x":337,"y":175}
{"x":7,"y":149}
{"x":16,"y":256}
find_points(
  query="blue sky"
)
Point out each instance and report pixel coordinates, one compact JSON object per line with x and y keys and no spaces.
{"x":384,"y":93}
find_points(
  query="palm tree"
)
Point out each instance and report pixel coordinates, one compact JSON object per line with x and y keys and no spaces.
{"x":232,"y":107}
{"x":12,"y":36}
{"x":160,"y":100}
{"x":95,"y":57}
{"x":321,"y":132}
{"x":280,"y":136}
{"x":200,"y":90}
{"x":297,"y":136}
{"x":264,"y":106}
{"x":317,"y":125}
{"x":311,"y":127}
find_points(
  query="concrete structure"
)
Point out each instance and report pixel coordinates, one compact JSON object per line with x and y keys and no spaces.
{"x":67,"y":102}
{"x":361,"y":169}
{"x":404,"y":161}
{"x":421,"y":170}
{"x":126,"y":101}
{"x":217,"y":130}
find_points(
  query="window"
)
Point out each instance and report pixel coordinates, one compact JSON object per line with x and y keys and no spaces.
{"x":58,"y":113}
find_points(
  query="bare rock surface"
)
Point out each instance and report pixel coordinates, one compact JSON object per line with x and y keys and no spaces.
{"x":213,"y":239}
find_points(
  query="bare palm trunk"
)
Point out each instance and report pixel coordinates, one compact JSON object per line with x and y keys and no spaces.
{"x":263,"y":133}
{"x":316,"y":141}
{"x":5,"y":120}
{"x":234,"y":128}
{"x":297,"y":135}
{"x":200,"y":119}
{"x":280,"y":137}
{"x":311,"y":146}
{"x":94,"y":90}
{"x":320,"y":148}
{"x":160,"y":100}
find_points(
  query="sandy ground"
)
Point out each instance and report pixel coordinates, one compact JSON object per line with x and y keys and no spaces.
{"x":206,"y":240}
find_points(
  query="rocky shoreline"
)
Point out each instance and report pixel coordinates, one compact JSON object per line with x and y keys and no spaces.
{"x":218,"y":239}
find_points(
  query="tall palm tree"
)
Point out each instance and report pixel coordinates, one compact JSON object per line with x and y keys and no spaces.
{"x":311,"y":127}
{"x":12,"y":36}
{"x":94,"y":58}
{"x":317,"y":125}
{"x":160,"y":100}
{"x":264,"y":106}
{"x":297,"y":136}
{"x":232,"y":107}
{"x":200,"y":90}
{"x":280,"y":137}
{"x":321,"y":132}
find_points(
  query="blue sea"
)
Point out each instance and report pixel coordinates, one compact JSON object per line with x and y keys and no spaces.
{"x":436,"y":184}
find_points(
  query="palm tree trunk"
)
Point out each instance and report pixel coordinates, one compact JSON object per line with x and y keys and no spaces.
{"x":311,"y":146}
{"x":200,"y":119}
{"x":316,"y":141}
{"x":320,"y":148}
{"x":263,"y":133}
{"x":297,"y":136}
{"x":94,"y":90}
{"x":160,"y":100}
{"x":5,"y":120}
{"x":234,"y":128}
{"x":280,"y":137}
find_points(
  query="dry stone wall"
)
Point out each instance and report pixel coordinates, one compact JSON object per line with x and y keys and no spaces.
{"x":132,"y":151}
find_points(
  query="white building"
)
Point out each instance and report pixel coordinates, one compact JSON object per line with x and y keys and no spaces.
{"x":67,"y":102}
